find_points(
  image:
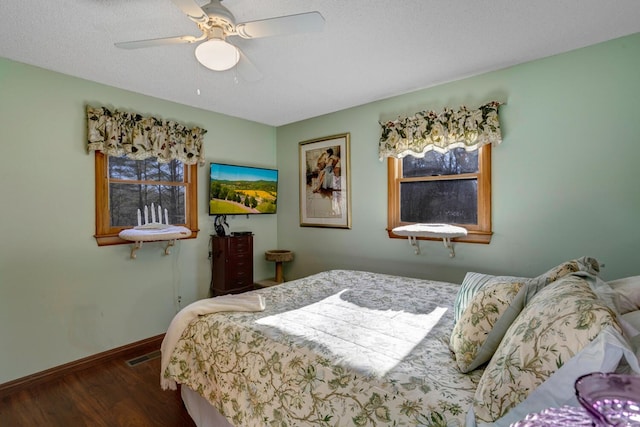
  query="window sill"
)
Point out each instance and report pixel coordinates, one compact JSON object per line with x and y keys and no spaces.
{"x":472,"y":237}
{"x":114,"y":239}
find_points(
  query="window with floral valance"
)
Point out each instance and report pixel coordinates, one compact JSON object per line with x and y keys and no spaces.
{"x":439,"y":168}
{"x":139,"y":161}
{"x":443,"y":131}
{"x":118,"y":133}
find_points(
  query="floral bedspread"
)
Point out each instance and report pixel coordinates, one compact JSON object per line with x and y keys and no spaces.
{"x":339,"y":348}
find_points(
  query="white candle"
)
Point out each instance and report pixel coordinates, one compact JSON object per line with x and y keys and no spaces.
{"x":139,"y":218}
{"x":166,"y":217}
{"x":146,"y":214}
{"x":159,"y":214}
{"x":153,"y":213}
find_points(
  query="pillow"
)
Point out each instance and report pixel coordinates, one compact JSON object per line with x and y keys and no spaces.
{"x":559,"y":321}
{"x":633,"y":318}
{"x":471,"y":284}
{"x":586,"y":264}
{"x":603,"y":290}
{"x":627,"y":292}
{"x":603,"y":354}
{"x":478,"y":332}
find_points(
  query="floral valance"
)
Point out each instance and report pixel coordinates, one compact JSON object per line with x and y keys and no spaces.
{"x":118,"y":133}
{"x":428,"y":130}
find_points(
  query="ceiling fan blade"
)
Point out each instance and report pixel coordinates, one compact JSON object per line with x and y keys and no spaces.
{"x":192,"y":10}
{"x":246,"y":69}
{"x":158,"y":42}
{"x":300,"y":23}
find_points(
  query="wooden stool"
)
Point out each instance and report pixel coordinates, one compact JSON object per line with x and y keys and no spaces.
{"x":278,"y":256}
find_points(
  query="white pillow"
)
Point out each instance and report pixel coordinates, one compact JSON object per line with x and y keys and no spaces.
{"x":633,"y":318}
{"x":627,"y":291}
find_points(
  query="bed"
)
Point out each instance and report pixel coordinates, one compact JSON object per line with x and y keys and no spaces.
{"x":358,"y":348}
{"x":336,"y":348}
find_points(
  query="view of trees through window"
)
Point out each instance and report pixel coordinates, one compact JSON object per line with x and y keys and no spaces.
{"x":134,"y":184}
{"x":450,"y":188}
{"x":440,"y":188}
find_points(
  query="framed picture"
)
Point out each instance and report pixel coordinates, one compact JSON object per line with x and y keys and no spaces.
{"x":325,"y":188}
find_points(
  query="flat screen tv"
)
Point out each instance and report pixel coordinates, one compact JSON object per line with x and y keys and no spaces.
{"x":242,"y":190}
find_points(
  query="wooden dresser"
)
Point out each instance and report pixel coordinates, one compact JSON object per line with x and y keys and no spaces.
{"x":231,"y":264}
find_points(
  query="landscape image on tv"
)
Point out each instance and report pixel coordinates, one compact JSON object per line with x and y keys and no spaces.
{"x":242,"y":190}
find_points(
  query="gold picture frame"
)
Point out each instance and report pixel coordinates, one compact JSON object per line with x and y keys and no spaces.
{"x":325,"y":182}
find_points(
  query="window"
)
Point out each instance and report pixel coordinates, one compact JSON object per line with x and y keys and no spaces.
{"x":125,"y":185}
{"x":452,"y":188}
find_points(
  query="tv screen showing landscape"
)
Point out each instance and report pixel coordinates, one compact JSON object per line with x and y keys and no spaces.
{"x":242,"y":190}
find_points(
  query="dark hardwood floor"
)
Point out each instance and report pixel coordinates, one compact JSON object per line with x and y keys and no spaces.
{"x":111,"y":394}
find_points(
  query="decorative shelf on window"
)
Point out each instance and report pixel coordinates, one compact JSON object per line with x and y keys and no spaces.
{"x":154,"y":233}
{"x":446,"y":232}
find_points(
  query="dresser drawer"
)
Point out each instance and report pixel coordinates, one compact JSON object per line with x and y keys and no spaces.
{"x":240,"y":263}
{"x":241,"y":247}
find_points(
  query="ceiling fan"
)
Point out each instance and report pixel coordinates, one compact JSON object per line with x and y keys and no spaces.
{"x":217,"y":23}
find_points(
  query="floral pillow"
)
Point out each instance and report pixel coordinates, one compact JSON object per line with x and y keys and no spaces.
{"x":587,"y":264}
{"x":472,"y":339}
{"x":478,"y":332}
{"x":471,"y":285}
{"x":559,"y":321}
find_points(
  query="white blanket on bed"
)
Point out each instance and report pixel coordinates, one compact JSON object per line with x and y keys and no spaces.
{"x":241,"y":302}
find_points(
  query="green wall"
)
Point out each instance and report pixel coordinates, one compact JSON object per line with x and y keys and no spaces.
{"x":564,"y":178}
{"x":61,"y":296}
{"x":563,"y":186}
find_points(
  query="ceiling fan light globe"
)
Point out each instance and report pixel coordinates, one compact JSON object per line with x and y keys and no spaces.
{"x":217,"y":55}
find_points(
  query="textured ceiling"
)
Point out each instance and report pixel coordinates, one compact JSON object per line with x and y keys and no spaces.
{"x":369,"y":49}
